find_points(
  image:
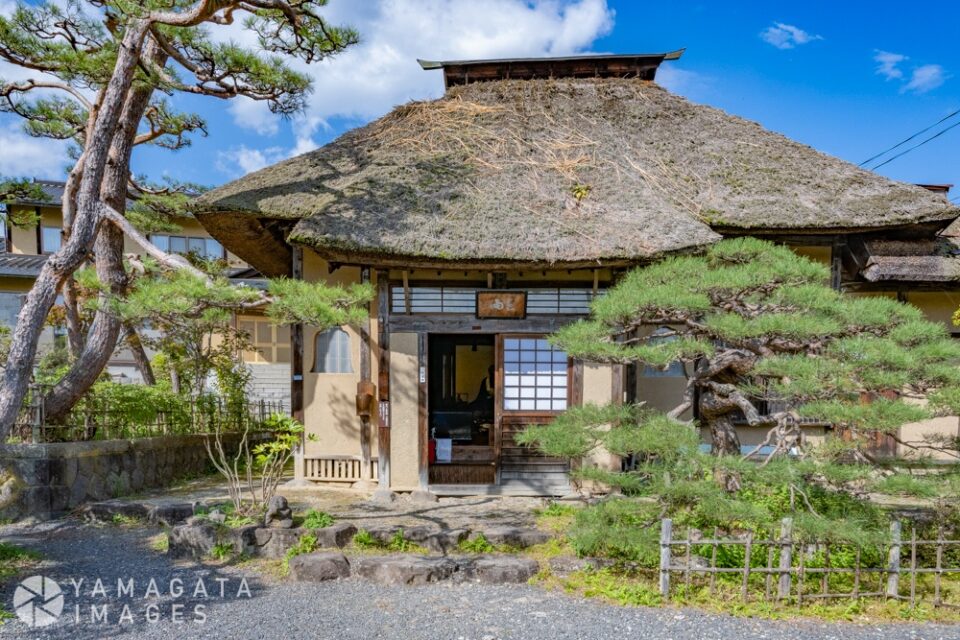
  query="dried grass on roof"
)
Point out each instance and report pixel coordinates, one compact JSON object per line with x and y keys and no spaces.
{"x":562,"y":171}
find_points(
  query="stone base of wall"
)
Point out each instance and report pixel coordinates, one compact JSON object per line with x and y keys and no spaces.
{"x":44,"y":481}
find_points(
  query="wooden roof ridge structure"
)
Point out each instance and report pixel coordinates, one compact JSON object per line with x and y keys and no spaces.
{"x":563,"y":172}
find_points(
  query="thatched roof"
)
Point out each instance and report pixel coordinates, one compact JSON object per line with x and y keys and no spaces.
{"x":552,"y":172}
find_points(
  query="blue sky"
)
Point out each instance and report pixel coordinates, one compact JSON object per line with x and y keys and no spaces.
{"x":848,"y":78}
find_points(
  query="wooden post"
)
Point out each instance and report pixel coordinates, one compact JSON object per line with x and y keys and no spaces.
{"x":939,"y":569}
{"x":746,"y":568}
{"x":825,"y":576}
{"x":713,"y":562}
{"x":856,"y":575}
{"x":383,"y":380}
{"x":893,"y":561}
{"x":296,"y":367}
{"x":913,"y":566}
{"x":786,"y":558}
{"x":666,"y":531}
{"x":836,"y":264}
{"x":768,"y":575}
{"x":424,"y":440}
{"x":366,"y":471}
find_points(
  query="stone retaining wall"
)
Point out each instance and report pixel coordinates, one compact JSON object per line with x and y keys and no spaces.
{"x":43,"y":481}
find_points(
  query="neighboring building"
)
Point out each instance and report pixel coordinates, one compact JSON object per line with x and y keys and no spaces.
{"x":25,"y":251}
{"x":492,"y":216}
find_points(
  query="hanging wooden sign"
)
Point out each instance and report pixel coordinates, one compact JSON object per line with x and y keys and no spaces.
{"x":502,"y":304}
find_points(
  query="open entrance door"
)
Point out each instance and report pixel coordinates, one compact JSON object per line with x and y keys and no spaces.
{"x":460,"y":423}
{"x":533,"y":386}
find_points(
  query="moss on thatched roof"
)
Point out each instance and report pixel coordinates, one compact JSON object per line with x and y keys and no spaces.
{"x":570,"y":171}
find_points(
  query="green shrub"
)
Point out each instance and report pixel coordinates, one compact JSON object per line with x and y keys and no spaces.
{"x":221,"y":550}
{"x":365,"y":540}
{"x":557,"y":510}
{"x":314,"y":519}
{"x":477,"y":544}
{"x":306,"y":544}
{"x":400,"y":544}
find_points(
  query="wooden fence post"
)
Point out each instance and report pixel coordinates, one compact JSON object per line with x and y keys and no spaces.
{"x":893,"y":563}
{"x":786,"y":558}
{"x":666,"y":531}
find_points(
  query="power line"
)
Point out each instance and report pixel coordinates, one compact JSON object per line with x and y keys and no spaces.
{"x":906,"y":140}
{"x":919,"y":144}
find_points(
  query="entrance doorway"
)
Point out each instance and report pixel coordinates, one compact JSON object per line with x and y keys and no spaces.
{"x":461,"y":412}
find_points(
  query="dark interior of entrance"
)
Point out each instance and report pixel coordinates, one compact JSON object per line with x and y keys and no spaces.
{"x":461,"y":379}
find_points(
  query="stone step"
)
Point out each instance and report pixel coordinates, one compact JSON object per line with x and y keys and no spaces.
{"x":411,"y":569}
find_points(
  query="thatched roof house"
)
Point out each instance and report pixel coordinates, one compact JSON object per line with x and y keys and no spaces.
{"x":490,"y":217}
{"x":565,"y":172}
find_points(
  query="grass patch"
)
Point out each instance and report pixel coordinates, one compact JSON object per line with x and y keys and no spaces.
{"x":397,"y":543}
{"x":556,"y":518}
{"x":160,"y":543}
{"x":221,"y":551}
{"x":306,"y":544}
{"x":123,"y":520}
{"x":365,"y":540}
{"x":635,"y":589}
{"x":14,"y":559}
{"x":476,"y":544}
{"x":314,"y":519}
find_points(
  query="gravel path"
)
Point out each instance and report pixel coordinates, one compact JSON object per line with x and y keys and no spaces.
{"x":351,"y":609}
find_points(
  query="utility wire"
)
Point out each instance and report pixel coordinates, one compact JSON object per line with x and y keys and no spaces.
{"x":919,"y":144}
{"x":906,"y":140}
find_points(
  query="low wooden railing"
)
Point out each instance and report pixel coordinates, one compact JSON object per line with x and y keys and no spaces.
{"x":337,"y":468}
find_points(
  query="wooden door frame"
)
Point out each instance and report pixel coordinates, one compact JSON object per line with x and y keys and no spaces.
{"x":534,"y":416}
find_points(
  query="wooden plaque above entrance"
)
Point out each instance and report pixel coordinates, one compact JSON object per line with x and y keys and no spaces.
{"x":502,"y":304}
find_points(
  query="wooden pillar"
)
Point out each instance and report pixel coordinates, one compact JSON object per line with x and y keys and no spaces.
{"x":365,"y":377}
{"x":424,"y":457}
{"x":296,"y":369}
{"x":383,"y":379}
{"x":836,"y":263}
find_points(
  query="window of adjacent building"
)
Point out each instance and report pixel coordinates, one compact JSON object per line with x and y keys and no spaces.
{"x":674,"y":369}
{"x":534,"y":375}
{"x":49,"y":239}
{"x":331,"y":352}
{"x":270,"y":342}
{"x":204,"y":247}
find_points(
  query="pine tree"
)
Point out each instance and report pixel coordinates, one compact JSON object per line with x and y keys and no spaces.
{"x":100,"y":72}
{"x":766,"y":343}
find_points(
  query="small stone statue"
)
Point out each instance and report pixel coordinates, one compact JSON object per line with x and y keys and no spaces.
{"x":279,"y":515}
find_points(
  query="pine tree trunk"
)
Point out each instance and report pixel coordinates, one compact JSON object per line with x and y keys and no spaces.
{"x":101,"y":341}
{"x":66,"y":260}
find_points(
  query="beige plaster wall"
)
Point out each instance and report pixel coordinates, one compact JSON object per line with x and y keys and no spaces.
{"x":597,"y":389}
{"x":405,"y":412}
{"x":330,"y":417}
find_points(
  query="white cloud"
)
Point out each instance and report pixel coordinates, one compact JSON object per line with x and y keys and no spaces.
{"x":241,"y":160}
{"x":381,"y":72}
{"x":786,"y":36}
{"x":255,"y":115}
{"x":887,"y":64}
{"x":26,"y":156}
{"x":922,"y":79}
{"x":925,"y":78}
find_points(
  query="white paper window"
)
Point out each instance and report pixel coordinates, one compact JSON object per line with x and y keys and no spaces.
{"x":534,"y":375}
{"x":49,"y":239}
{"x":332,"y":352}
